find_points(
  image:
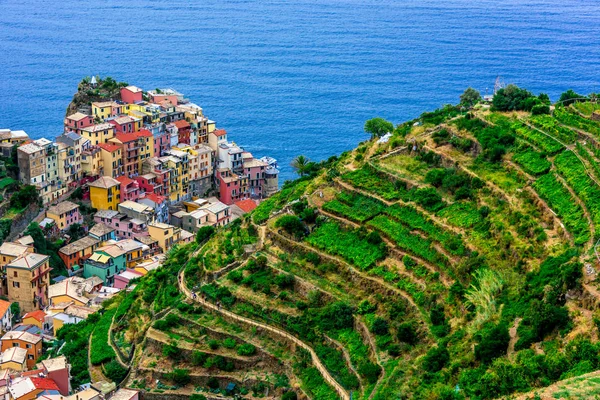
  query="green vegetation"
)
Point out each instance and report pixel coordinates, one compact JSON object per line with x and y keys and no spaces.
{"x":532,"y":162}
{"x":351,"y":245}
{"x":354,"y":206}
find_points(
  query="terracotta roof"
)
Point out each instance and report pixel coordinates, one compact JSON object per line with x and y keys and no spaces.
{"x":109,"y":147}
{"x":125,"y":180}
{"x":246,"y":205}
{"x":4,"y":306}
{"x":158,"y":199}
{"x":143,"y":133}
{"x":38,"y":315}
{"x":126,"y":137}
{"x":219,"y":132}
{"x":181,"y":124}
{"x":105,"y":182}
{"x":44,"y":383}
{"x":133,"y":89}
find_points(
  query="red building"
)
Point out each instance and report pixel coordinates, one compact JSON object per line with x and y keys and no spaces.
{"x":162,"y":143}
{"x":75,"y":122}
{"x":130,"y":152}
{"x":131,"y":94}
{"x":130,"y":189}
{"x":183,"y":131}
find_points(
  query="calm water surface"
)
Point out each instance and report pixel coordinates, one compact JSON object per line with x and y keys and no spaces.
{"x":292,"y":78}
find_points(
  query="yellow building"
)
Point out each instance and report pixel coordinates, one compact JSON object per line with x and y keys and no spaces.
{"x":14,"y":358}
{"x":146,"y":144}
{"x":92,"y":163}
{"x":99,"y":133}
{"x":105,"y":193}
{"x":28,"y":278}
{"x":166,"y":235}
{"x":36,"y":318}
{"x":65,"y":214}
{"x":105,"y":109}
{"x":10,"y":251}
{"x":112,"y":159}
{"x":133,"y":251}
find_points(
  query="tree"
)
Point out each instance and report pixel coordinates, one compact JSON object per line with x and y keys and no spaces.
{"x":493,"y":343}
{"x":378,"y":127}
{"x":300,"y":164}
{"x":292,"y":225}
{"x":75,"y":231}
{"x":512,"y":98}
{"x":470,"y":97}
{"x":380,"y":327}
{"x":570,"y":96}
{"x":436,"y":358}
{"x":27,"y":195}
{"x":539,"y":109}
{"x":204,"y":233}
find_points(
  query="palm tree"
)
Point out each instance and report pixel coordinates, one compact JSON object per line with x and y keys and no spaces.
{"x":300,"y":164}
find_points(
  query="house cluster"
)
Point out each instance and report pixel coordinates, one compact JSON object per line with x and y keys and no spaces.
{"x":25,"y":374}
{"x":154,"y":143}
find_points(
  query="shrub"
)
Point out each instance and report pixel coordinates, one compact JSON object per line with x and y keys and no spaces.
{"x":204,"y":233}
{"x":407,"y":333}
{"x":171,"y":350}
{"x":180,"y":376}
{"x":199,"y":358}
{"x":229,"y":343}
{"x":292,"y":225}
{"x":369,"y":371}
{"x":380,"y":327}
{"x":235,"y":276}
{"x":114,"y":371}
{"x":284,"y":281}
{"x":246,"y":349}
{"x":493,"y":342}
{"x":436,"y":358}
{"x":289,"y":396}
{"x":540,"y":109}
{"x":213,"y":344}
{"x":213,"y":383}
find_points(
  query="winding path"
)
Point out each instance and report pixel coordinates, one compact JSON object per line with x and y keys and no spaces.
{"x":315,"y":359}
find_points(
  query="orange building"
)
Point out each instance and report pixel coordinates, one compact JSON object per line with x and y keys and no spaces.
{"x":24,"y":340}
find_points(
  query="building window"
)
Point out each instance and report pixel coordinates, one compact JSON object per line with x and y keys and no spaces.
{"x":28,"y":346}
{"x":15,"y":274}
{"x":15,"y":344}
{"x":16,"y":285}
{"x":30,"y":357}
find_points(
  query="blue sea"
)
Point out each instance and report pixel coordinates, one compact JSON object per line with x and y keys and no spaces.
{"x":287,"y":78}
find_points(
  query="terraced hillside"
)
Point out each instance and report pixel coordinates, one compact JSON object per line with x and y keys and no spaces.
{"x":456,"y":260}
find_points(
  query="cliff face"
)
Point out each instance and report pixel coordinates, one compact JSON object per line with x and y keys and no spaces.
{"x":103,"y":90}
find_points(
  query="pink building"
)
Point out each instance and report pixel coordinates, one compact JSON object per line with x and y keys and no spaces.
{"x":229,"y":186}
{"x":58,"y":369}
{"x":255,"y":171}
{"x":162,"y":143}
{"x":75,"y":122}
{"x":126,"y":124}
{"x":131,"y":152}
{"x":131,"y":94}
{"x":130,"y":189}
{"x":122,"y":280}
{"x":125,"y":228}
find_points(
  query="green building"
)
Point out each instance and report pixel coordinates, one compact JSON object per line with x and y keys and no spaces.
{"x":105,"y":263}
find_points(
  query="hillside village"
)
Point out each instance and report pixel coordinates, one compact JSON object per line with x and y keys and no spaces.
{"x":86,"y":215}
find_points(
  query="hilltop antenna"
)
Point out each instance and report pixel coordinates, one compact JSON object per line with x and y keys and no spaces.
{"x":499,"y":84}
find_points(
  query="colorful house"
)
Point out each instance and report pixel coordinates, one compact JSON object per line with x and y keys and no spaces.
{"x":5,"y":316}
{"x":105,"y":109}
{"x":28,"y":278}
{"x":158,"y":204}
{"x":14,"y":358}
{"x":10,"y":251}
{"x":92,"y":164}
{"x":130,"y":189}
{"x":98,"y":133}
{"x":73,"y":253}
{"x":105,"y":193}
{"x":29,"y":388}
{"x":102,"y":232}
{"x":112,"y":159}
{"x":134,"y":251}
{"x":126,"y":124}
{"x":71,"y":315}
{"x":73,"y":290}
{"x":123,"y":226}
{"x":122,"y":280}
{"x":24,"y":340}
{"x":36,"y":318}
{"x":58,"y":370}
{"x":65,"y":214}
{"x":77,"y":121}
{"x":137,"y":211}
{"x":183,"y":131}
{"x":131,"y":94}
{"x":166,"y":235}
{"x":105,"y":263}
